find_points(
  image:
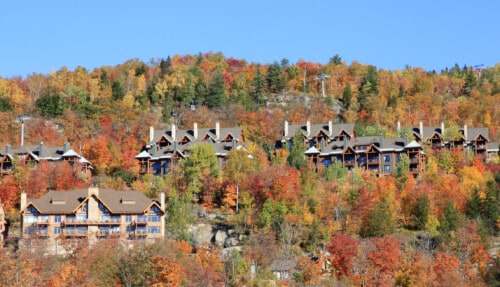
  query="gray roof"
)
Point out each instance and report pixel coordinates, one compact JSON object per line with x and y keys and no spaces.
{"x":67,"y":202}
{"x":44,"y":152}
{"x":315,"y":129}
{"x":184,"y":139}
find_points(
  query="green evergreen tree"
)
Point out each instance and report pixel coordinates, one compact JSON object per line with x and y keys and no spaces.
{"x":5,"y":105}
{"x":117,"y":91}
{"x":421,"y":212}
{"x":379,"y":221}
{"x":347,"y":96}
{"x":51,"y":105}
{"x":216,"y":90}
{"x":448,"y":222}
{"x":274,"y":78}
{"x":335,"y":60}
{"x":490,"y":206}
{"x":258,"y":86}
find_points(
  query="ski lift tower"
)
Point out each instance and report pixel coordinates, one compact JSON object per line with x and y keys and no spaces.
{"x":322,"y":77}
{"x":21,"y":119}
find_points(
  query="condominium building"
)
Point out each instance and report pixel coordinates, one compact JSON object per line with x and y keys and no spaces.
{"x":33,"y":155}
{"x":92,"y":214}
{"x":166,"y":148}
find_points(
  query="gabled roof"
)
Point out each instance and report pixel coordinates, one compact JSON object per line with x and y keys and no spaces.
{"x":315,"y":129}
{"x":69,"y":201}
{"x":44,"y":152}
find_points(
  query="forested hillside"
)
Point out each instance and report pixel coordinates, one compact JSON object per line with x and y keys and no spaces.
{"x":438,"y":229}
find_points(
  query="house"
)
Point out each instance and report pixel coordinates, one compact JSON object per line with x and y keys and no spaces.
{"x":283,"y":268}
{"x":330,"y":142}
{"x":92,"y":214}
{"x":476,"y":140}
{"x":166,"y":148}
{"x":33,"y":155}
{"x":3,"y":224}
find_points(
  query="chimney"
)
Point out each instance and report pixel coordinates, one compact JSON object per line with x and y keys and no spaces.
{"x":151,"y":133}
{"x":286,"y":129}
{"x":195,"y":130}
{"x":176,"y":145}
{"x":162,"y":201}
{"x":65,"y":147}
{"x":345,"y":142}
{"x":93,"y":190}
{"x":41,"y":148}
{"x":308,"y":128}
{"x":217,"y":130}
{"x":163,"y":209}
{"x":7,"y":149}
{"x":465,"y":133}
{"x":406,"y":140}
{"x":233,"y":143}
{"x":330,"y":128}
{"x":24,"y":200}
{"x":381,"y":141}
{"x":421,"y":129}
{"x":399,"y":127}
{"x":154,"y":149}
{"x":173,"y":134}
{"x":442,"y":128}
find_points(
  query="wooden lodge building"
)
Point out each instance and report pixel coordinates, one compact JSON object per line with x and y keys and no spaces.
{"x":166,"y":147}
{"x":330,"y":142}
{"x":92,"y":214}
{"x":33,"y":155}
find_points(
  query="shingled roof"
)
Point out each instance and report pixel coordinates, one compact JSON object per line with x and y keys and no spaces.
{"x":67,"y":202}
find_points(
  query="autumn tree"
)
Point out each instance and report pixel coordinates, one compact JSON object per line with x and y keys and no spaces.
{"x":343,"y":249}
{"x":296,"y":158}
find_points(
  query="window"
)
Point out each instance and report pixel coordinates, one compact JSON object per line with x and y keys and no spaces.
{"x":105,"y":217}
{"x":154,"y":229}
{"x":327,"y":162}
{"x":30,"y":219}
{"x":387,"y":168}
{"x":141,"y":218}
{"x":81,"y":217}
{"x":57,"y":230}
{"x":387,"y":158}
{"x":82,"y":229}
{"x":57,"y":218}
{"x":128,"y":218}
{"x":70,"y":218}
{"x":154,"y":218}
{"x":129,"y":229}
{"x":116,"y":218}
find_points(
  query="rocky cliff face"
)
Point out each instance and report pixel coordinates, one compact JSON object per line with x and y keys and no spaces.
{"x":218,"y":234}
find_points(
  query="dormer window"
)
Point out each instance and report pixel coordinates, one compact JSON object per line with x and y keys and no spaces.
{"x":128,"y":201}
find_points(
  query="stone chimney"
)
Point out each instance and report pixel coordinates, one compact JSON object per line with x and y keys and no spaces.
{"x":399,"y":127}
{"x":151,"y":133}
{"x":7,"y":149}
{"x":233,"y":143}
{"x":421,"y":130}
{"x":381,"y":141}
{"x":345,"y":142}
{"x":406,"y":139}
{"x":285,"y":133}
{"x":442,"y":128}
{"x":93,"y":190}
{"x":173,"y":132}
{"x":41,"y":150}
{"x":195,"y":130}
{"x":308,"y":127}
{"x":217,"y":131}
{"x":24,"y":200}
{"x":330,"y":128}
{"x":465,"y":133}
{"x":163,"y":209}
{"x":65,"y":147}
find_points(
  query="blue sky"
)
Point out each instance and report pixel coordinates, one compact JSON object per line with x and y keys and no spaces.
{"x":42,"y":36}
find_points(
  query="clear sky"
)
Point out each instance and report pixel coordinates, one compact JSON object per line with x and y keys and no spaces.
{"x":43,"y":36}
